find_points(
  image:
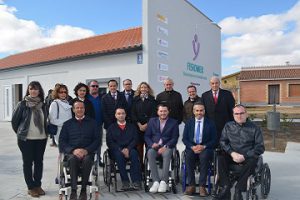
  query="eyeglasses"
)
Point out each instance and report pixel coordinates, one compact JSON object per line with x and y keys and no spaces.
{"x":94,"y":86}
{"x":241,"y":113}
{"x":61,"y":92}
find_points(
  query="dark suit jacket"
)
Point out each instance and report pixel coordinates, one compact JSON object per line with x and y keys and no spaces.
{"x":209,"y":134}
{"x":169,"y":134}
{"x":129,"y":105}
{"x":220,"y":113}
{"x":109,"y":106}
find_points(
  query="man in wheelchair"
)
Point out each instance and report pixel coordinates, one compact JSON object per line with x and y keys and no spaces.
{"x":199,"y":137}
{"x":121,"y":140}
{"x":161,"y":137}
{"x":78,"y":140}
{"x":242,"y":142}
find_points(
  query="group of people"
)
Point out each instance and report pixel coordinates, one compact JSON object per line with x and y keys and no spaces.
{"x":134,"y":121}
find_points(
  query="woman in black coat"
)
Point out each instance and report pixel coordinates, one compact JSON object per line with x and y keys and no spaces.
{"x":29,"y":122}
{"x":81,"y":91}
{"x":143,"y":108}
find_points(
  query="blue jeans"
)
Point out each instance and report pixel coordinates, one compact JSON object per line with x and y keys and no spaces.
{"x":135,"y":168}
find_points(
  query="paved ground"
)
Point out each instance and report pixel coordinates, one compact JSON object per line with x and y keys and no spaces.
{"x":285,"y":169}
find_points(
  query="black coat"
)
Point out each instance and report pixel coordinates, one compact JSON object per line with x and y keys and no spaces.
{"x":142,"y":111}
{"x":109,"y":106}
{"x":21,"y":119}
{"x":75,"y":135}
{"x":221,"y":112}
{"x":129,"y":104}
{"x":118,"y":139}
{"x":246,"y":139}
{"x":173,"y":100}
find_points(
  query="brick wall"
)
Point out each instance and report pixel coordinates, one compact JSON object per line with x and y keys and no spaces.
{"x":256,"y":92}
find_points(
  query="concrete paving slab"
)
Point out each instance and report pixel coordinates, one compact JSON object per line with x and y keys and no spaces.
{"x":285,"y":169}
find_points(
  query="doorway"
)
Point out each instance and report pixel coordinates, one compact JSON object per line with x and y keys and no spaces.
{"x":274,"y":94}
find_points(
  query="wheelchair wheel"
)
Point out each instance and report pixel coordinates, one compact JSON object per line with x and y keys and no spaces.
{"x":176,"y":166}
{"x":265,"y":181}
{"x":147,"y":174}
{"x":107,"y":170}
{"x":174,"y":189}
{"x":183,"y":171}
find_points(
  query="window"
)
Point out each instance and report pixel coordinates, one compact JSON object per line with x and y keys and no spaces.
{"x":273,"y":94}
{"x":294,"y":90}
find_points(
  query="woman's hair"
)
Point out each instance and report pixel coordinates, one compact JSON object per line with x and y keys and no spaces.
{"x":36,"y":85}
{"x":80,"y":85}
{"x":138,"y":89}
{"x":57,"y":88}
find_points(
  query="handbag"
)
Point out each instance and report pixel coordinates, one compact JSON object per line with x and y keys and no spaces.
{"x":51,"y":128}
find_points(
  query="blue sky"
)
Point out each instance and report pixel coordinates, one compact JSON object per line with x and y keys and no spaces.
{"x":254,"y":32}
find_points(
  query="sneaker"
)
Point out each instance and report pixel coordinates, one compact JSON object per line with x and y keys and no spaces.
{"x":154,"y":187}
{"x":73,"y":195}
{"x":125,"y":186}
{"x":82,"y":195}
{"x":40,"y":191}
{"x":162,"y":187}
{"x":137,"y":186}
{"x":33,"y":193}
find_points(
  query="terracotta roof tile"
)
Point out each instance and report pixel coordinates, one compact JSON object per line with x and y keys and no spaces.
{"x":101,"y":44}
{"x":287,"y":72}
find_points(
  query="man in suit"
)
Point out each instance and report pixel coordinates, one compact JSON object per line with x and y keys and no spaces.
{"x":128,"y":92}
{"x":110,"y":102}
{"x":121,"y":140}
{"x":172,"y":99}
{"x":161,"y":137}
{"x":199,"y":137}
{"x":218,"y":105}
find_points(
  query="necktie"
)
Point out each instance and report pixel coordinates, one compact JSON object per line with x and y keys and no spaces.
{"x":127,"y":96}
{"x":215,"y":97}
{"x":198,"y":132}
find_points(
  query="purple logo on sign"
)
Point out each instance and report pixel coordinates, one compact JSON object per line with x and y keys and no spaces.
{"x":196,"y":46}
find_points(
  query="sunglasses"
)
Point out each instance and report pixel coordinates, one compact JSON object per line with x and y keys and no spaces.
{"x":94,"y":86}
{"x":61,"y":92}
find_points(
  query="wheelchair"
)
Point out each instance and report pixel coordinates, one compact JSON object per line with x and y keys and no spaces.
{"x":173,"y":171}
{"x":64,"y":179}
{"x":260,"y":177}
{"x":210,"y":174}
{"x":111,"y":170}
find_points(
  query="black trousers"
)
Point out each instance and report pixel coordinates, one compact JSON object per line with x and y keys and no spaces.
{"x":246,"y":169}
{"x":85,"y":165}
{"x":204,"y":158}
{"x":32,"y":155}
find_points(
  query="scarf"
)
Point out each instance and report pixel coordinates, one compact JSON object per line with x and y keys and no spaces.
{"x":35,"y":104}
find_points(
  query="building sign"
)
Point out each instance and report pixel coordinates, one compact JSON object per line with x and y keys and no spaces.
{"x":162,"y":30}
{"x":162,"y":42}
{"x":196,"y":46}
{"x":162,"y":54}
{"x":162,"y":18}
{"x":139,"y":58}
{"x":163,"y":67}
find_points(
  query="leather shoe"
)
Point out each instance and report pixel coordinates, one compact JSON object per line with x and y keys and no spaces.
{"x":40,"y":191}
{"x":190,"y":190}
{"x":202,"y":191}
{"x":33,"y":193}
{"x":238,"y":194}
{"x":73,"y":195}
{"x":82,"y":195}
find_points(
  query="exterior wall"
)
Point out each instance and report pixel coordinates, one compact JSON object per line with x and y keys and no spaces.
{"x":256,"y":92}
{"x":70,"y":73}
{"x":170,"y":28}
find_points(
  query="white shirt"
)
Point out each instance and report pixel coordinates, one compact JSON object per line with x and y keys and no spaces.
{"x":201,"y":128}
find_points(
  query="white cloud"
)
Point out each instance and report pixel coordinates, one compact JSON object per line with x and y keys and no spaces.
{"x":17,"y":35}
{"x":264,"y":40}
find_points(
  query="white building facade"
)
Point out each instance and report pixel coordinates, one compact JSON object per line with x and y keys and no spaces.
{"x":176,"y":41}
